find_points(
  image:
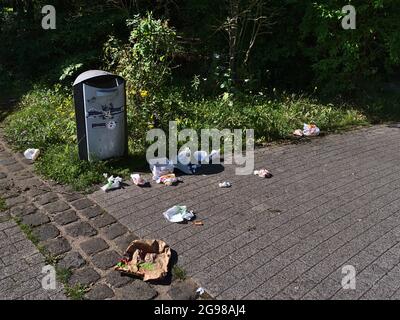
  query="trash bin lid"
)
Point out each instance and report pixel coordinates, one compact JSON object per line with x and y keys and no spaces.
{"x":92,"y":74}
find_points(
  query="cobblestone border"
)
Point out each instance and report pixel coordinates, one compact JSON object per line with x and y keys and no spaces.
{"x":77,"y":233}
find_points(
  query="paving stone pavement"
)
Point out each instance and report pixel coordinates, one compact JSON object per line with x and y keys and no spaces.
{"x":333,"y":201}
{"x":21,"y":266}
{"x":75,"y":232}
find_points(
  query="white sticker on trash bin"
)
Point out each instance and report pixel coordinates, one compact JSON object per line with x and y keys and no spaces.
{"x":111,"y":125}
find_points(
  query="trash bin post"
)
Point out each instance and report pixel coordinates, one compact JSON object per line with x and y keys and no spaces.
{"x":101,"y":117}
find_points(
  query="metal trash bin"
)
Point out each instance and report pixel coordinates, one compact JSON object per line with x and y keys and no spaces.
{"x":100,"y":111}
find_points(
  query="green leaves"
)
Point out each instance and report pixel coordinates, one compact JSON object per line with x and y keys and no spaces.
{"x":146,"y":60}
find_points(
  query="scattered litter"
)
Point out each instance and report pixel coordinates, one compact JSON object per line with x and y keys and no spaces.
{"x":198,"y":223}
{"x":148,"y":259}
{"x":310,"y":130}
{"x":274,"y":210}
{"x":186,"y":168}
{"x":200,"y":291}
{"x":113,"y":183}
{"x":168,"y":179}
{"x":225,"y":184}
{"x":214,"y":154}
{"x":185,"y":156}
{"x":31,"y":154}
{"x":298,"y":133}
{"x":200,"y":156}
{"x":138,"y":180}
{"x":178,"y":214}
{"x":263,"y":173}
{"x":160,"y":167}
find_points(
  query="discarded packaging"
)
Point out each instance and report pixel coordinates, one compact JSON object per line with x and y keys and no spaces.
{"x":178,"y":214}
{"x":263,"y":173}
{"x":214,"y":154}
{"x":184,"y":156}
{"x":225,"y":184}
{"x":310,"y":130}
{"x":186,"y":168}
{"x":31,"y":154}
{"x":298,"y":133}
{"x":200,"y":156}
{"x":200,"y":291}
{"x":168,"y":179}
{"x":148,"y":259}
{"x":160,"y":167}
{"x":113,"y":183}
{"x":138,"y":180}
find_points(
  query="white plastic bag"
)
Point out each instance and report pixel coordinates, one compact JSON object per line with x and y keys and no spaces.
{"x":31,"y":154}
{"x":178,"y":214}
{"x":200,"y":155}
{"x":160,"y":167}
{"x":113,"y":183}
{"x":310,"y":130}
{"x":214,"y":154}
{"x":184,"y":156}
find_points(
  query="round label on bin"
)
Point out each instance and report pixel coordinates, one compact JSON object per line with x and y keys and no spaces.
{"x":111,"y":125}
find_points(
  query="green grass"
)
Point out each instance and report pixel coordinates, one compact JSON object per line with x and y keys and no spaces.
{"x":63,"y":275}
{"x":62,"y":164}
{"x":76,"y":292}
{"x":28,"y":231}
{"x":178,"y":273}
{"x":3,"y":205}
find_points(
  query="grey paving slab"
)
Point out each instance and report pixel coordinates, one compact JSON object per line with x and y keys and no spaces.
{"x":21,"y":273}
{"x":332,"y":202}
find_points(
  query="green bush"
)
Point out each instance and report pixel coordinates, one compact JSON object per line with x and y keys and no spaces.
{"x":45,"y":117}
{"x":344,"y":61}
{"x":145,"y":61}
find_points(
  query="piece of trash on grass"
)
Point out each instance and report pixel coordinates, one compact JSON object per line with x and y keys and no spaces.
{"x":225,"y":184}
{"x":168,"y":179}
{"x":263,"y":173}
{"x":298,"y":133}
{"x":198,"y":223}
{"x":178,"y":214}
{"x":310,"y":130}
{"x":113,"y":183}
{"x":138,"y":180}
{"x":200,"y":291}
{"x":31,"y":154}
{"x":147,"y":259}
